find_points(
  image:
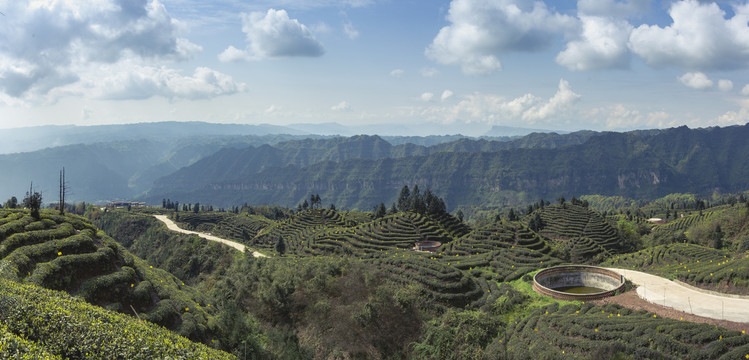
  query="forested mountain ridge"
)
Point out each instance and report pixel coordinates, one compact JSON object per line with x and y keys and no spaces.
{"x":641,"y":164}
{"x":102,"y":171}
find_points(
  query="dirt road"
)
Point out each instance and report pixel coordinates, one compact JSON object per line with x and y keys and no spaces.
{"x":664,"y":292}
{"x":172,"y":226}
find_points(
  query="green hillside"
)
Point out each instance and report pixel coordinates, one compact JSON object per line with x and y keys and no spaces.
{"x":694,"y":264}
{"x":580,"y":232}
{"x":69,"y":254}
{"x":36,"y":323}
{"x":591,"y":332}
{"x":346,"y":284}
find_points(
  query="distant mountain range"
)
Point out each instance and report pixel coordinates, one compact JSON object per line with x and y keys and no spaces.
{"x":40,"y":137}
{"x":200,"y":162}
{"x":28,"y":139}
{"x":638,"y":164}
{"x":499,"y":131}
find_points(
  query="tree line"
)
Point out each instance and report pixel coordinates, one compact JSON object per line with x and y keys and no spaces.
{"x":426,"y":203}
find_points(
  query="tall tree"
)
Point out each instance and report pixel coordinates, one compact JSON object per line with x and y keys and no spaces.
{"x":404,"y":199}
{"x":717,"y":237}
{"x":63,"y":191}
{"x":12,"y":203}
{"x":511,"y":215}
{"x":33,"y":201}
{"x":394,"y":210}
{"x":417,"y":204}
{"x":280,"y":246}
{"x":380,"y":211}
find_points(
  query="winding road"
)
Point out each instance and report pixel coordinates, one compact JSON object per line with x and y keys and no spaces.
{"x":664,"y":292}
{"x":172,"y":226}
{"x":651,"y":288}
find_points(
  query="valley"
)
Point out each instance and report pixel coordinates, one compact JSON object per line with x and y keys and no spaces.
{"x":374,"y":180}
{"x":318,"y":278}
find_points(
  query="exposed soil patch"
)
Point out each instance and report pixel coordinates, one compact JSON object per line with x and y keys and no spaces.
{"x":630,"y":300}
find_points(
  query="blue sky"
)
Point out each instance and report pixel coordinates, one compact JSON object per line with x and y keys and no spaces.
{"x":432,"y":66}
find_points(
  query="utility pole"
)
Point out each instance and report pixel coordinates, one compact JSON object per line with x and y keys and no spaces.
{"x":63,"y":190}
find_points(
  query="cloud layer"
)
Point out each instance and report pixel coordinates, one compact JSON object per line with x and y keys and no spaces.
{"x":142,"y":82}
{"x":63,"y":47}
{"x":601,"y":45}
{"x":483,"y":30}
{"x":528,"y":109}
{"x":700,"y":37}
{"x":273,"y":34}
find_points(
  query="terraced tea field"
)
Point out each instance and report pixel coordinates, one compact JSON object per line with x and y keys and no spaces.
{"x":685,"y":222}
{"x":68,"y":253}
{"x":74,"y":329}
{"x":592,"y":332}
{"x":580,"y":231}
{"x":693,"y":264}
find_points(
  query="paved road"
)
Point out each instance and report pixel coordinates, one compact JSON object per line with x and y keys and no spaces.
{"x":661,"y":291}
{"x":172,"y":226}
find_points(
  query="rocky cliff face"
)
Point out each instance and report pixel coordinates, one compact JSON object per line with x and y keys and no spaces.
{"x":627,"y":164}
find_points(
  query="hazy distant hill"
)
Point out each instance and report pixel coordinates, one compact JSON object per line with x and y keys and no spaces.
{"x":498,"y":130}
{"x":644,"y":164}
{"x":40,"y":137}
{"x":111,"y":170}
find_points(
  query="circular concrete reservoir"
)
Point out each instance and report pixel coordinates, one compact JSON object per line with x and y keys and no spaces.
{"x":577,"y":282}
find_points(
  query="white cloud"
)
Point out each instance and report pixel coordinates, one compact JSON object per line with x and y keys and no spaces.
{"x":427,"y":97}
{"x":560,"y":102}
{"x":696,"y":80}
{"x":616,"y":116}
{"x":342,"y":106}
{"x":745,"y":90}
{"x":481,"y":65}
{"x":623,"y":117}
{"x":273,"y":34}
{"x":601,"y":45}
{"x":71,"y":36}
{"x":738,"y":117}
{"x":613,"y":8}
{"x":480,"y":31}
{"x":661,"y":119}
{"x":429,"y":72}
{"x":493,"y":109}
{"x":350,"y":31}
{"x":142,"y":82}
{"x":725,"y":85}
{"x":516,"y":107}
{"x":446,"y":95}
{"x":397,"y":73}
{"x":700,"y":38}
{"x":232,"y":54}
